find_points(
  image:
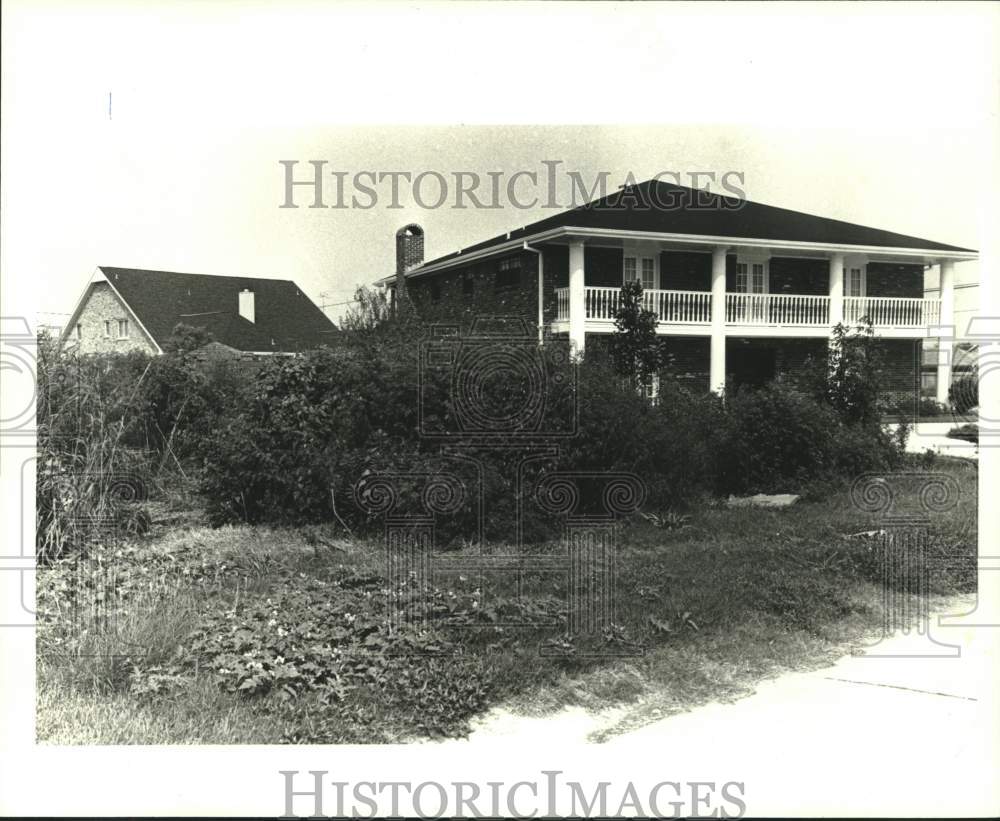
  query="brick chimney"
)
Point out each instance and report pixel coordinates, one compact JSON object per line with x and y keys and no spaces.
{"x":247,"y":305}
{"x":409,"y":254}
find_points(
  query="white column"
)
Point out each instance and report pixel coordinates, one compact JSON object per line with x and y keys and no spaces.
{"x":717,"y":361}
{"x":947,"y":321}
{"x":836,"y":289}
{"x":577,"y":303}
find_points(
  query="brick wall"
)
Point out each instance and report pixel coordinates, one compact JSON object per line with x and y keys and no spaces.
{"x":685,"y":271}
{"x":890,"y":279}
{"x":799,"y":276}
{"x":101,"y":305}
{"x":500,"y":286}
{"x":603,"y":267}
{"x":690,"y":357}
{"x":901,"y":375}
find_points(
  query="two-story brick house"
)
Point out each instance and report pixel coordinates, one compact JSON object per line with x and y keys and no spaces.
{"x":742,"y":291}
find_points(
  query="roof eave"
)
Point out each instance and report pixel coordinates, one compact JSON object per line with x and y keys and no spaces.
{"x":569,"y":232}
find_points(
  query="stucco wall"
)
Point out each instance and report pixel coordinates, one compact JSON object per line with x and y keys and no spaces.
{"x":103,"y":304}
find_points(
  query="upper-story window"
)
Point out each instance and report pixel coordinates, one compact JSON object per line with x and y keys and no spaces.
{"x":509,"y":273}
{"x":854,"y":280}
{"x":107,"y":328}
{"x":637,"y":267}
{"x":468,"y":284}
{"x":123,"y":329}
{"x":435,"y":291}
{"x":751,"y":276}
{"x":79,"y":331}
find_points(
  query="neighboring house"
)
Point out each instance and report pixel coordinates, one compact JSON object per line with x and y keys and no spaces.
{"x":125,"y":309}
{"x":742,"y":291}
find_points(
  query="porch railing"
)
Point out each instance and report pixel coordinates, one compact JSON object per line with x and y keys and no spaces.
{"x":897,"y":312}
{"x":562,"y":303}
{"x":781,"y":310}
{"x":777,"y":309}
{"x":681,"y":307}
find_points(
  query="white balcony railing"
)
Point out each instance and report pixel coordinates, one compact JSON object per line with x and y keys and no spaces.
{"x":791,"y":310}
{"x":895,"y":312}
{"x":562,"y":303}
{"x":680,"y":307}
{"x":761,"y":310}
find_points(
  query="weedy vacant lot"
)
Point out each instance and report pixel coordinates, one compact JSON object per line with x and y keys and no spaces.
{"x":253,"y":635}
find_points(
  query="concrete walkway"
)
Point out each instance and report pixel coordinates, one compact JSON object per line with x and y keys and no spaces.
{"x":932,"y":435}
{"x":867,"y":736}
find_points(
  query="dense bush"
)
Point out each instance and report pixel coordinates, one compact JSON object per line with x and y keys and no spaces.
{"x":968,"y":433}
{"x":297,"y":442}
{"x":669,"y":444}
{"x":964,"y":392}
{"x":112,"y":426}
{"x":318,"y":423}
{"x":773,"y":439}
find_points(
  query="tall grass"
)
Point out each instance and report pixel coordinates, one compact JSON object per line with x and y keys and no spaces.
{"x":102,"y":443}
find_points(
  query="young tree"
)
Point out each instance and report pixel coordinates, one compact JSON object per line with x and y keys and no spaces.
{"x":370,"y":311}
{"x":186,"y":338}
{"x":636,"y":352}
{"x":853,"y":373}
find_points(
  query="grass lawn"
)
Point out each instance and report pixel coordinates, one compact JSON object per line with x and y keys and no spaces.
{"x":254,"y":635}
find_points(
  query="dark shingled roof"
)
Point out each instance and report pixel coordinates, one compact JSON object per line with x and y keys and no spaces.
{"x":285,"y":319}
{"x":644,"y":207}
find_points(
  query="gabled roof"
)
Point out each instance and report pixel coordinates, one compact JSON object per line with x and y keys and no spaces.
{"x":660,"y":207}
{"x":285,"y":319}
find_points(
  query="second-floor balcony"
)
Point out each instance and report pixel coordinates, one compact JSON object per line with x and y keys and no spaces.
{"x":755,"y":313}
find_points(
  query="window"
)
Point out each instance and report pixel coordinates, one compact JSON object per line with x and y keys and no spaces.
{"x":741,"y":277}
{"x":435,"y":291}
{"x":123,"y":329}
{"x":854,"y":281}
{"x":79,"y":331}
{"x":468,"y":284}
{"x":107,"y":328}
{"x":639,"y":268}
{"x":509,"y":273}
{"x":751,"y":277}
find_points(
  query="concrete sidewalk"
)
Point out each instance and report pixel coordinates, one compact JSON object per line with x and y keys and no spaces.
{"x":866,"y":736}
{"x":932,"y":436}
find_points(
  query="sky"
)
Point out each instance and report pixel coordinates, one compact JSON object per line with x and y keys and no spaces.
{"x":151,"y":136}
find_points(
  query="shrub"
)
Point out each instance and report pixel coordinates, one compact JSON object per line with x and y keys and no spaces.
{"x":669,"y":444}
{"x":964,"y":392}
{"x":304,"y":429}
{"x":930,"y":407}
{"x":775,"y":437}
{"x":849,"y":379}
{"x":967,"y":433}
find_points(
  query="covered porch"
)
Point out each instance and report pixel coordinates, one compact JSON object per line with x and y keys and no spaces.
{"x":751,"y":291}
